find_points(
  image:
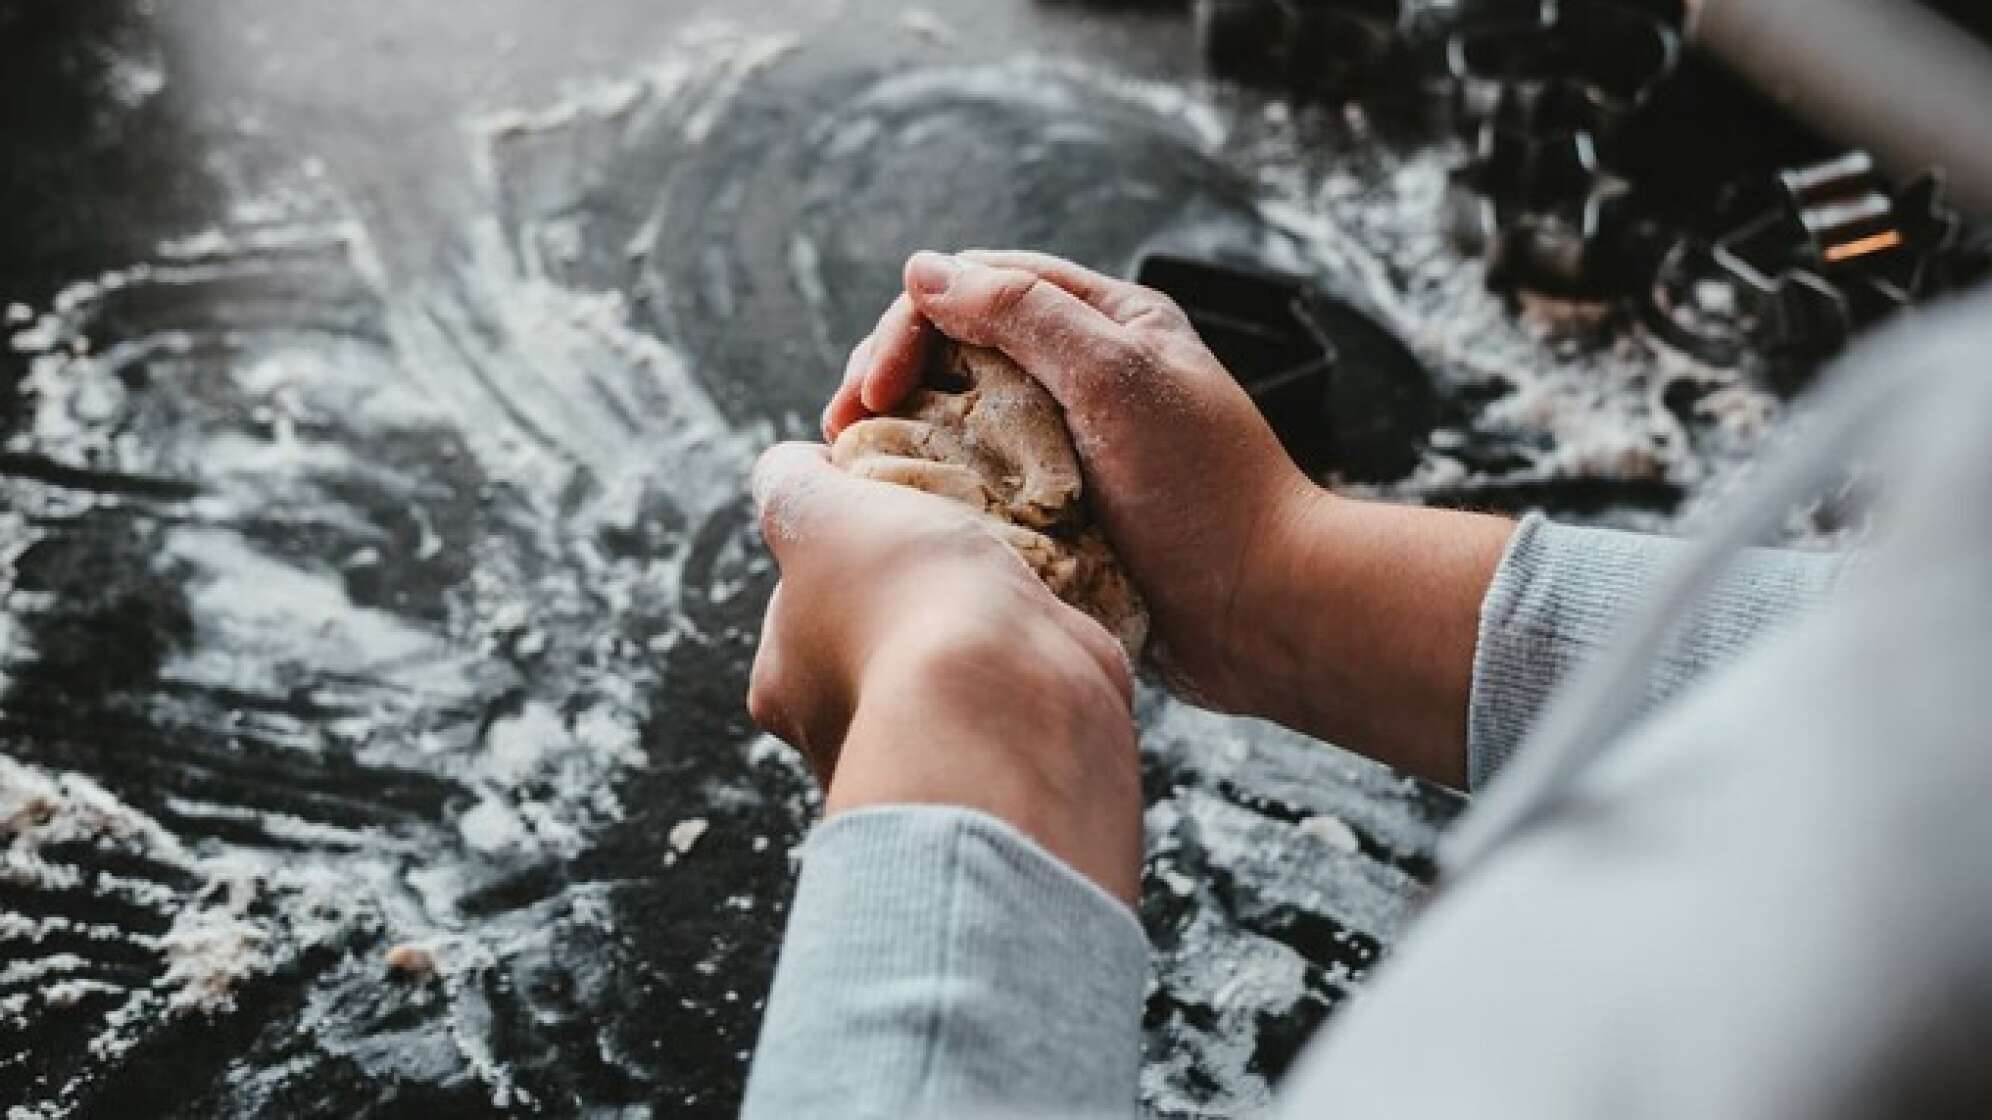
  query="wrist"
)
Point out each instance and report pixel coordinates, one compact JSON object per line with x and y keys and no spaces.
{"x":1275,"y":615}
{"x":1018,"y":721}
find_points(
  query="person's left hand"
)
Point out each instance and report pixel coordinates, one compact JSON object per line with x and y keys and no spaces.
{"x":913,"y":658}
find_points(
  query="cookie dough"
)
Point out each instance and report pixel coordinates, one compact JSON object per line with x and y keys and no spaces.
{"x":985,"y":434}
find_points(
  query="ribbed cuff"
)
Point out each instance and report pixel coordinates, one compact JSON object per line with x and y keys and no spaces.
{"x":1561,"y":594}
{"x":940,"y":963}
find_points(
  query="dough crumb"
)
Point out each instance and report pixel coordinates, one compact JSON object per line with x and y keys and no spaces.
{"x":408,"y":961}
{"x":686,"y":833}
{"x":1333,"y":832}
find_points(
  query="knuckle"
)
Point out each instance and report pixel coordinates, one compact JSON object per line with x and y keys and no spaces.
{"x":763,"y":699}
{"x":762,"y":476}
{"x":766,"y":511}
{"x":1158,"y":308}
{"x":760,"y":707}
{"x":1113,"y":662}
{"x":860,"y":357}
{"x":773,"y":530}
{"x":774,"y":504}
{"x":1010,"y":292}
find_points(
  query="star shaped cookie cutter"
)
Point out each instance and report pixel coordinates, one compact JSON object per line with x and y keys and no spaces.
{"x":1835,"y":250}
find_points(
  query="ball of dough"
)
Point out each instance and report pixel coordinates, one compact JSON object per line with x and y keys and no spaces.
{"x":986,"y":434}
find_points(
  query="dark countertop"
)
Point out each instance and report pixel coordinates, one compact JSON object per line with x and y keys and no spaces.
{"x":374,"y":563}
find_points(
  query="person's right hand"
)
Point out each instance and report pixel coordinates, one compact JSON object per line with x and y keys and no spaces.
{"x":1201,"y":502}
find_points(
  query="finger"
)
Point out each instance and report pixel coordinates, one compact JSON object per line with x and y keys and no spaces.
{"x":899,"y":359}
{"x":897,"y":436}
{"x":799,"y":494}
{"x":946,"y":480}
{"x":776,"y":697}
{"x":764,"y":680}
{"x":1105,"y":650}
{"x":1115,"y":298}
{"x":1057,"y":337}
{"x":883,"y":368}
{"x":845,"y":408}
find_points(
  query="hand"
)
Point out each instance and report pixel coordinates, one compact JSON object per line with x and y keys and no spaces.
{"x":913,"y":658}
{"x":1194,"y":490}
{"x":1352,"y":621}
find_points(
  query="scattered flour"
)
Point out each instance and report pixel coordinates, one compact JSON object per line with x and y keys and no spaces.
{"x":925,"y":25}
{"x":685,"y":834}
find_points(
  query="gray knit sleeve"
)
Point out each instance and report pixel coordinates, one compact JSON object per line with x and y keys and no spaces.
{"x":940,"y":963}
{"x":1559,"y":596}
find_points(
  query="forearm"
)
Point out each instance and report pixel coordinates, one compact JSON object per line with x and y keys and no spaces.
{"x":1432,"y":640}
{"x":1362,"y":627}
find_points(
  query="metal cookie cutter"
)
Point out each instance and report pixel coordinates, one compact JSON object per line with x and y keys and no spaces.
{"x":1542,"y":94}
{"x":1835,"y":251}
{"x":1602,"y":59}
{"x":1343,"y":394}
{"x":1319,"y":48}
{"x":1540,"y":207}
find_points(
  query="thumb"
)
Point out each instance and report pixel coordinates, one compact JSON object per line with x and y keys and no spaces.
{"x":797,"y":490}
{"x":1054,"y":335}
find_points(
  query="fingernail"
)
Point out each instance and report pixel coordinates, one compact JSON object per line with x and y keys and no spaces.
{"x":931,"y":273}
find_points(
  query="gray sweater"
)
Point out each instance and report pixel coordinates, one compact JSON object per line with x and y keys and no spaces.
{"x":1762,"y":893}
